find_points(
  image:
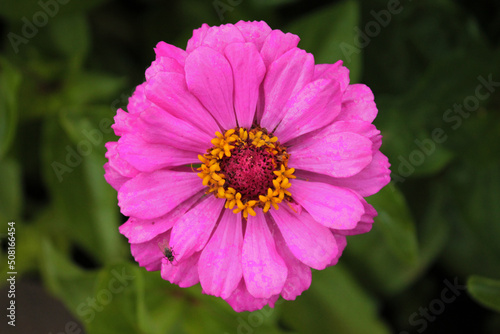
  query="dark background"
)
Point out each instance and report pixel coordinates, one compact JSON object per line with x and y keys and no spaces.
{"x":62,"y":79}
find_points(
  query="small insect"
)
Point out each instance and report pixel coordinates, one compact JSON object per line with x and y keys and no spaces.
{"x":168,"y":252}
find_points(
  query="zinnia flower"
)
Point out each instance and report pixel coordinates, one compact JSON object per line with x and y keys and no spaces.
{"x":242,"y":164}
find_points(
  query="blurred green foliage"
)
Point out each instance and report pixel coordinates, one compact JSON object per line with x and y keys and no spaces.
{"x":428,"y":64}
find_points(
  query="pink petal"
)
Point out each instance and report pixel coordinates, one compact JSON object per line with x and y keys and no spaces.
{"x":220,"y":261}
{"x":217,"y":38}
{"x":148,"y":157}
{"x":241,"y":300}
{"x":299,"y":274}
{"x":248,"y":72}
{"x":158,"y":126}
{"x":315,"y":106}
{"x":198,"y":37}
{"x":263,"y":269}
{"x":169,"y":91}
{"x":310,"y":242}
{"x":358,"y":104}
{"x":331,"y":206}
{"x":192,"y":231}
{"x":254,"y":32}
{"x":138,"y":102}
{"x":118,"y":163}
{"x":184,"y":274}
{"x":113,"y":177}
{"x":163,"y":64}
{"x":285,"y":78}
{"x":338,"y":155}
{"x":168,"y":50}
{"x":276,"y":44}
{"x":370,"y":180}
{"x":151,"y":195}
{"x":365,"y":223}
{"x":341,"y":244}
{"x":335,"y":72}
{"x":140,"y":230}
{"x":362,"y":128}
{"x":124,"y":122}
{"x":209,"y":77}
{"x":148,"y":254}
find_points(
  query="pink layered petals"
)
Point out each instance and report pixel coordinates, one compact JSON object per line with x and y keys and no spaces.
{"x":192,"y":231}
{"x":117,"y":163}
{"x":254,"y":32}
{"x":151,"y":195}
{"x":338,"y":155}
{"x":198,"y":37}
{"x":341,"y":243}
{"x":370,"y":180}
{"x":113,"y":177}
{"x":148,"y":157}
{"x":149,"y":254}
{"x":178,"y":101}
{"x":314,"y":107}
{"x":241,"y":299}
{"x":285,"y":77}
{"x":310,"y":242}
{"x":117,"y":170}
{"x":248,"y":72}
{"x":276,"y":44}
{"x":216,"y":38}
{"x":335,"y":72}
{"x":184,"y":274}
{"x":138,"y":101}
{"x":158,"y":126}
{"x":167,"y":50}
{"x":209,"y":77}
{"x":358,"y":104}
{"x":124,"y":122}
{"x":331,"y":206}
{"x":264,"y":270}
{"x":365,"y":223}
{"x":299,"y":275}
{"x":362,"y":128}
{"x":220,"y":261}
{"x":163,"y":64}
{"x":140,"y":230}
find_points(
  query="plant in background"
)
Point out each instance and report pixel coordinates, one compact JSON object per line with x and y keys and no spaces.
{"x":245,"y":163}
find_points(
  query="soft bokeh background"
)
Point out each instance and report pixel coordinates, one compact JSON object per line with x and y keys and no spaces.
{"x":428,"y":63}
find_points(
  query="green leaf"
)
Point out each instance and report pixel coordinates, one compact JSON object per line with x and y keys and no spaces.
{"x":115,"y":293}
{"x":11,"y":194}
{"x":10,"y":79}
{"x":85,"y":205}
{"x":335,"y":297}
{"x":485,"y":290}
{"x":16,"y":9}
{"x":396,"y":223}
{"x":70,"y":34}
{"x":271,"y":3}
{"x":104,"y":300}
{"x":384,"y":271}
{"x":72,"y":285}
{"x":329,"y":35}
{"x":90,"y":87}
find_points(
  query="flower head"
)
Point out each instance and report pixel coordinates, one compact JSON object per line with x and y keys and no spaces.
{"x":242,"y":164}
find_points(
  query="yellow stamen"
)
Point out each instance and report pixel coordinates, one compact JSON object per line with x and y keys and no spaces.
{"x":213,"y":177}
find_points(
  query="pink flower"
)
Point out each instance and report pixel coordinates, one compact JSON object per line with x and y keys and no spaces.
{"x":242,"y":164}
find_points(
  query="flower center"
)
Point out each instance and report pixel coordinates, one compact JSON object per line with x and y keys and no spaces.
{"x":248,"y":168}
